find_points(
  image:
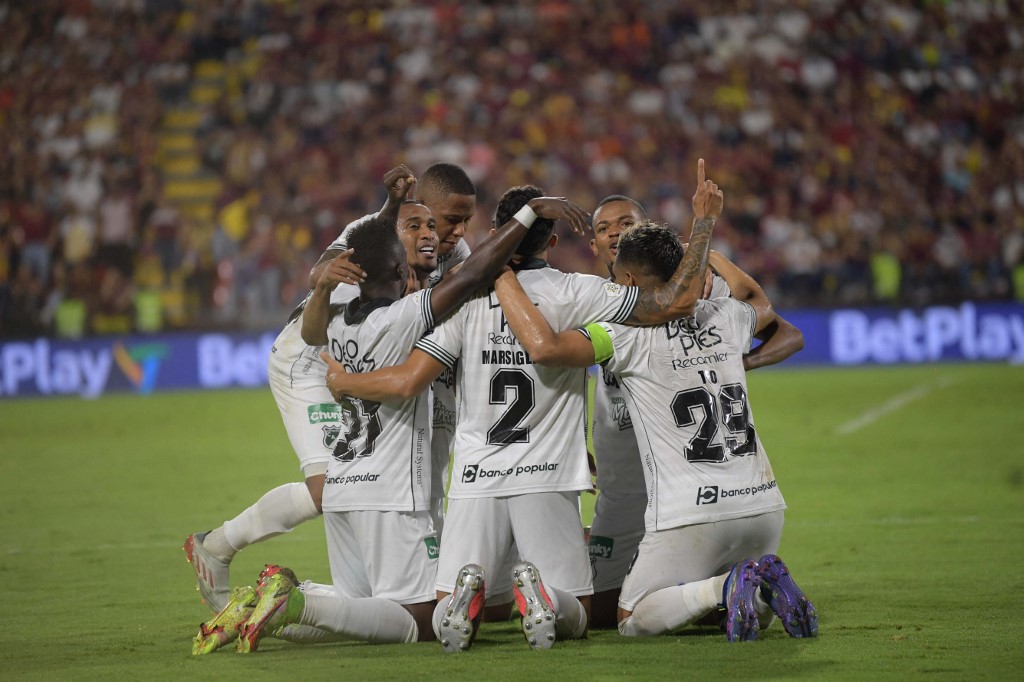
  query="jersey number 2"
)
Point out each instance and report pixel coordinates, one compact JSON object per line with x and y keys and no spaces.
{"x":507,"y":429}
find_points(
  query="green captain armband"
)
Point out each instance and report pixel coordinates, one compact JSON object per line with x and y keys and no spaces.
{"x":601,"y":340}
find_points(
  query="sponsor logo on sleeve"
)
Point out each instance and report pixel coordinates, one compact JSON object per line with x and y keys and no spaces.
{"x":613,"y":290}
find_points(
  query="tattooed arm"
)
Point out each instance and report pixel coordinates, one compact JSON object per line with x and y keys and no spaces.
{"x":678,"y":297}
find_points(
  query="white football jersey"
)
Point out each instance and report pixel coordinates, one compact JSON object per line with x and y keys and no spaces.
{"x":382,"y":458}
{"x":443,"y":388}
{"x":686,"y":392}
{"x":615,"y":449}
{"x":520,"y":425}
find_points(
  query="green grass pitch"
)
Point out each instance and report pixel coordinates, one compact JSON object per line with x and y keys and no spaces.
{"x":905,"y":525}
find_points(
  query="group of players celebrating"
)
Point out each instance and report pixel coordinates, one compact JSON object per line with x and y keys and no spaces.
{"x":411,"y":354}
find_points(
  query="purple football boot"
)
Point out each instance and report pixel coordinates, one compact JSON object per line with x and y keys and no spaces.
{"x":738,"y":593}
{"x":787,"y":600}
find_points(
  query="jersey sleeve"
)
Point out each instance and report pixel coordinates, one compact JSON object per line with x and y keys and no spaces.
{"x":719,"y":287}
{"x":615,"y":347}
{"x":599,"y":300}
{"x":444,"y":343}
{"x":343,"y":293}
{"x":459,"y":254}
{"x":737,"y":316}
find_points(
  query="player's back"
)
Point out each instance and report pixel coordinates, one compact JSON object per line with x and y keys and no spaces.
{"x":382,"y":455}
{"x":521,"y":425}
{"x":686,"y":391}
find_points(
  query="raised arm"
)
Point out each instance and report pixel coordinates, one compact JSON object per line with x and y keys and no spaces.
{"x":677,"y":298}
{"x":494,"y":253}
{"x":399,"y":181}
{"x":568,"y":348}
{"x":400,"y":382}
{"x":779,"y":338}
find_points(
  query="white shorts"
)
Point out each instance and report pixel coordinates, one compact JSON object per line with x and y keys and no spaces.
{"x":298,"y":380}
{"x":614,"y":536}
{"x":691,"y":553}
{"x":544,"y":527}
{"x":387,"y":554}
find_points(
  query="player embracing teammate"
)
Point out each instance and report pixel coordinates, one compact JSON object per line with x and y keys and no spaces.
{"x":713,"y":510}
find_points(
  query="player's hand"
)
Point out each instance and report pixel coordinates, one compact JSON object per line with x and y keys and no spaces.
{"x":341,"y":270}
{"x":708,"y":200}
{"x":335,"y":375}
{"x":399,"y":182}
{"x":560,"y":208}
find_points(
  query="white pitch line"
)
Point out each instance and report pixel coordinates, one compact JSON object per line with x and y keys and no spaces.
{"x":890,"y":406}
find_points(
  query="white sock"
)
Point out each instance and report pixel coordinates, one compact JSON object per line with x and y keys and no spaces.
{"x":570,"y":616}
{"x":309,"y":587}
{"x":439,"y":611}
{"x":765,"y":615}
{"x":366,"y":620}
{"x":277,"y":512}
{"x":217,"y":544}
{"x":307,"y":634}
{"x":672,"y":607}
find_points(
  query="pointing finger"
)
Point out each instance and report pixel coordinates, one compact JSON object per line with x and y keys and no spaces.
{"x":700,"y":172}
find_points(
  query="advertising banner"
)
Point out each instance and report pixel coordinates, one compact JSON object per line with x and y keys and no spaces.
{"x":92,"y":367}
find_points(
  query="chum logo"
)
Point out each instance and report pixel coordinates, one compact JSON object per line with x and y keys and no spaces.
{"x":324,"y":412}
{"x":140,"y":364}
{"x":707,"y":494}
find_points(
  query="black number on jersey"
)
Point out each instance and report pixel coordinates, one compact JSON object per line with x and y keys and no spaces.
{"x":507,"y":429}
{"x":360,"y":428}
{"x":741,"y":438}
{"x":686,"y":407}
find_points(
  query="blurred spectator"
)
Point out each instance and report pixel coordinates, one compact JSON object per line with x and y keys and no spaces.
{"x":872,"y":152}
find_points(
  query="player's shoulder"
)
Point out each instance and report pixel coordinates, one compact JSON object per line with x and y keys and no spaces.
{"x":721,"y":305}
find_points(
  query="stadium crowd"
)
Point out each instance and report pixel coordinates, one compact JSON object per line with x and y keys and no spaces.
{"x":873,"y":152}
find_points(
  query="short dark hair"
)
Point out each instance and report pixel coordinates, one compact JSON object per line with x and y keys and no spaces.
{"x":622,"y":197}
{"x":446,"y":178}
{"x":651,"y":248}
{"x":539,"y":234}
{"x":377,"y":248}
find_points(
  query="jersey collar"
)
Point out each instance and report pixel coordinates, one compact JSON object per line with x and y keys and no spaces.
{"x":531,"y":264}
{"x":358,"y":310}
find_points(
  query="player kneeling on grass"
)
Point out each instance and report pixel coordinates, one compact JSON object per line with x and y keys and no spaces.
{"x":714,"y":506}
